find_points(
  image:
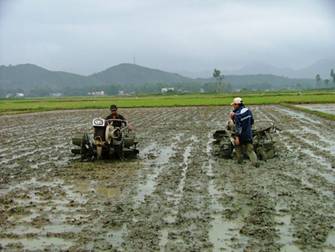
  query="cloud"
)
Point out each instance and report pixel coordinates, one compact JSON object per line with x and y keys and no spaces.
{"x":85,"y":36}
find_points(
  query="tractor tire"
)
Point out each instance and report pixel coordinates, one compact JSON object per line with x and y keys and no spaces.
{"x":227,"y":150}
{"x":86,"y":151}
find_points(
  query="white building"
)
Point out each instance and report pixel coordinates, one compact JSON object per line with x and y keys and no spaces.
{"x":56,"y":94}
{"x":97,"y":93}
{"x":165,"y":90}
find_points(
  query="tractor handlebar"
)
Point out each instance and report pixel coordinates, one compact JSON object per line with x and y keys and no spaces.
{"x":109,"y":121}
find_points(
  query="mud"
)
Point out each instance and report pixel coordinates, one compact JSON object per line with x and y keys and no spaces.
{"x":176,"y":196}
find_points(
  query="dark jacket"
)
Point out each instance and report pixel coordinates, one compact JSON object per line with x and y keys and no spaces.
{"x":243,"y":124}
{"x":116,"y":123}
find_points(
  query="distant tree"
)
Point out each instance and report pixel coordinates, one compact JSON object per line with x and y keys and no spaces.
{"x":219,"y":80}
{"x":326,"y":81}
{"x":332,"y":74}
{"x":216,"y":73}
{"x":228,"y":87}
{"x":318,"y":80}
{"x":112,"y":89}
{"x":2,"y":92}
{"x":298,"y":86}
{"x":40,"y":91}
{"x":210,"y":87}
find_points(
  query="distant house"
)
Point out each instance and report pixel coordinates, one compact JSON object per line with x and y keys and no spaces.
{"x":56,"y":94}
{"x":167,"y":90}
{"x":182,"y":91}
{"x":19,"y":95}
{"x":97,"y":93}
{"x":121,"y":92}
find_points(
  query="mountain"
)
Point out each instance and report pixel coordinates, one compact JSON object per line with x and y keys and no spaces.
{"x":37,"y":81}
{"x":321,"y":67}
{"x":262,"y":68}
{"x":261,"y":82}
{"x":33,"y":80}
{"x":132,"y":74}
{"x":30,"y":78}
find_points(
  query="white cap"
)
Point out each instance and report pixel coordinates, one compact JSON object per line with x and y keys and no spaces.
{"x":237,"y":100}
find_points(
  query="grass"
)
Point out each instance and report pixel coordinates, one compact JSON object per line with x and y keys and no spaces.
{"x":10,"y":106}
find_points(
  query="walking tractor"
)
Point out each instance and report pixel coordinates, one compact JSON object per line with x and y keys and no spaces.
{"x":263,"y":142}
{"x":112,"y":138}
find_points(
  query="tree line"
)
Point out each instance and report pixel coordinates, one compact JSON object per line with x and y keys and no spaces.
{"x":326,"y":83}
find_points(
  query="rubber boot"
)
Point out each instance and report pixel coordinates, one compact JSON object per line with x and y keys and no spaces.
{"x":239,"y":154}
{"x":252,"y":155}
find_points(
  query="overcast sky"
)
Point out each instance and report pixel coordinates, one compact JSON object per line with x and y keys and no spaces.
{"x":86,"y":36}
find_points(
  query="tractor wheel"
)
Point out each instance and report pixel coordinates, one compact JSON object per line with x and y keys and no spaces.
{"x":77,"y":141}
{"x":99,"y":152}
{"x":227,"y":150}
{"x":118,"y":151}
{"x":261,"y":154}
{"x":86,"y":148}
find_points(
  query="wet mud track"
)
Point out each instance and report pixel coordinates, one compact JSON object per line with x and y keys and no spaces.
{"x":326,"y":108}
{"x":176,"y":196}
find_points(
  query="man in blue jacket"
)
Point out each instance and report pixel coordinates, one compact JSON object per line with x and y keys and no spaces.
{"x":243,"y":120}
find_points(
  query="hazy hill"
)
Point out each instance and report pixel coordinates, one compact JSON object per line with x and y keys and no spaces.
{"x":132,"y":74}
{"x":263,"y":82}
{"x":321,"y":67}
{"x":37,"y":81}
{"x":30,"y":78}
{"x":268,"y":81}
{"x":262,"y":68}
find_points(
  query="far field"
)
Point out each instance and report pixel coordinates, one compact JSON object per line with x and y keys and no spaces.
{"x":9,"y":106}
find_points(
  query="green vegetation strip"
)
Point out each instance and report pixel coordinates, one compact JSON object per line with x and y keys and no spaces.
{"x":10,"y":106}
{"x":310,"y":111}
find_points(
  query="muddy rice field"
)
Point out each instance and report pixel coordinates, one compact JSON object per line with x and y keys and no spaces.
{"x":176,"y":196}
{"x":327,"y":108}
